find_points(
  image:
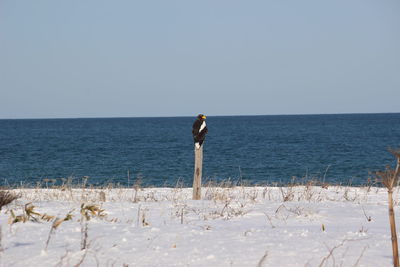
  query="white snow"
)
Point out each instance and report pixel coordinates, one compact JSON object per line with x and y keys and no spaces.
{"x":240,"y":226}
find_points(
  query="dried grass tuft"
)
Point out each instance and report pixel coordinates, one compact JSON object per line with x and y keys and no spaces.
{"x":6,"y":198}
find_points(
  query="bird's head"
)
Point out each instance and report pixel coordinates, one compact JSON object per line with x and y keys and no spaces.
{"x":201,"y":117}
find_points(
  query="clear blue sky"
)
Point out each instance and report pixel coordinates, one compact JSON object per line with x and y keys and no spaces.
{"x":93,"y":58}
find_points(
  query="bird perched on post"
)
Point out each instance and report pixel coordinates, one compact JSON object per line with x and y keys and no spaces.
{"x":199,"y":130}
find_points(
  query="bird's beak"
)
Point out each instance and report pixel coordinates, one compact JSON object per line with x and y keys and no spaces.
{"x":204,"y":117}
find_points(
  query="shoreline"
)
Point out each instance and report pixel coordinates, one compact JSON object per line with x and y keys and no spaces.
{"x":179,"y":184}
{"x":277,"y":193}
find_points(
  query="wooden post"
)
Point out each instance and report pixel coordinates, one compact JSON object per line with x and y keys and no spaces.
{"x":198,"y":166}
{"x":395,"y":249}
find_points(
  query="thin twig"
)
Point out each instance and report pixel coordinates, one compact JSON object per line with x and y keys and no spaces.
{"x":367,"y":217}
{"x":50,"y":233}
{"x":262,"y":260}
{"x":359,"y":258}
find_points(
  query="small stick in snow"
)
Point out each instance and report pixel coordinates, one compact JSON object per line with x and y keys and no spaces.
{"x":50,"y":233}
{"x":262,"y":260}
{"x":1,"y":240}
{"x":138,"y":216}
{"x":182,"y":216}
{"x":270,"y":220}
{"x":365,"y":214}
{"x":359,"y":258}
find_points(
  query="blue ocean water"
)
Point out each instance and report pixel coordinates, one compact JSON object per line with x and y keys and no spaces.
{"x":159,"y":151}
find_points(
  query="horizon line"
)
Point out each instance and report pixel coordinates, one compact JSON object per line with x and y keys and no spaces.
{"x":187,"y":116}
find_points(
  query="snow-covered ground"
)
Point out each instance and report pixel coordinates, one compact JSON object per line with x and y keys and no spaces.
{"x":240,"y":226}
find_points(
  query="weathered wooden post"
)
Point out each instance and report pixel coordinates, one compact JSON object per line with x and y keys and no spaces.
{"x":198,"y":168}
{"x":395,"y":178}
{"x":199,"y":132}
{"x":395,"y":249}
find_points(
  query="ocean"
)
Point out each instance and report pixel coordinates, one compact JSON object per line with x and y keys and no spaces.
{"x":254,"y":150}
